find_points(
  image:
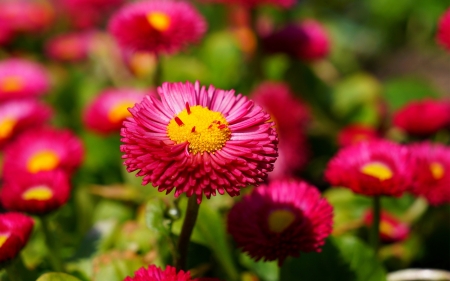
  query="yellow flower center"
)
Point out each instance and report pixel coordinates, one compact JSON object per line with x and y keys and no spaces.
{"x":279,"y":220}
{"x":41,"y":193}
{"x":11,"y":84}
{"x":6,"y":127}
{"x":3,"y":238}
{"x":46,"y":160}
{"x":437,"y":170}
{"x":386,"y":228}
{"x":119,"y":112}
{"x":159,"y":21}
{"x":203,"y":129}
{"x":377,"y":170}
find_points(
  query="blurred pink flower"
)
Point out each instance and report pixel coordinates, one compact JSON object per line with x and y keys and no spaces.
{"x":71,"y":47}
{"x":15,"y":229}
{"x":253,"y":3}
{"x":154,"y":273}
{"x":20,"y":78}
{"x":391,"y":229}
{"x":443,"y":33}
{"x":26,"y":15}
{"x":199,"y":141}
{"x":371,"y":168}
{"x":281,"y":220}
{"x":355,"y":133}
{"x":36,"y":194}
{"x":157,"y":26}
{"x":307,"y":40}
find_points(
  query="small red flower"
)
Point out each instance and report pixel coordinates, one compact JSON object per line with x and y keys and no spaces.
{"x":443,"y":34}
{"x":423,"y":118}
{"x":70,"y":47}
{"x":281,"y":220}
{"x":391,"y":229}
{"x":15,"y":229}
{"x":355,"y":133}
{"x":154,"y":273}
{"x":371,"y":168}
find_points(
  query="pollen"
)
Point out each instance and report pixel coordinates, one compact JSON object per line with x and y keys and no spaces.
{"x":6,"y":127}
{"x":3,"y":238}
{"x":377,"y":170}
{"x":159,"y":21}
{"x":119,"y":112}
{"x":280,"y":220}
{"x":11,"y":84}
{"x":203,"y":129}
{"x":41,"y":193}
{"x":46,"y":160}
{"x":437,"y":170}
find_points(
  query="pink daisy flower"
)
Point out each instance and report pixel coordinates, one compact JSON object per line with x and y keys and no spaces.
{"x":371,"y":168}
{"x":109,"y":109}
{"x":15,"y":229}
{"x":254,"y":3}
{"x":36,"y":194}
{"x":26,"y":15}
{"x":43,"y":149}
{"x":281,"y":220}
{"x":391,"y":229}
{"x":20,"y":78}
{"x":199,"y":141}
{"x":443,"y":33}
{"x":355,"y":133}
{"x":307,"y":40}
{"x":290,"y":116}
{"x":157,"y":26}
{"x":431,"y":170}
{"x":154,"y":273}
{"x":434,"y":116}
{"x":70,"y":47}
{"x":19,"y":115}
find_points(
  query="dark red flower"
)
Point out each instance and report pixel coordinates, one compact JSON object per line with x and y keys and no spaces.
{"x":15,"y":229}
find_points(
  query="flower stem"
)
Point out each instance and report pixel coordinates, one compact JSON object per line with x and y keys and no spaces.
{"x":375,"y":232}
{"x":53,"y":254}
{"x":186,"y":231}
{"x":157,"y":75}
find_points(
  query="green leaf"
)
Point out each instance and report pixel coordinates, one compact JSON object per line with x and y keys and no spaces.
{"x":342,"y":258}
{"x":53,"y":276}
{"x":267,"y":271}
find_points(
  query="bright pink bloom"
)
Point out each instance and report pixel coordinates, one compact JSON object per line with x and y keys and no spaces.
{"x":19,"y":115}
{"x":431,"y":170}
{"x":281,"y":220}
{"x":423,"y":118}
{"x":43,"y":149}
{"x":307,"y":41}
{"x":443,"y":34}
{"x":26,"y":15}
{"x":36,"y":194}
{"x":20,"y":78}
{"x":157,"y":26}
{"x":15,"y":229}
{"x":71,"y":47}
{"x":355,"y":133}
{"x":154,"y":273}
{"x":391,"y":229}
{"x":290,"y":116}
{"x":109,"y":109}
{"x":371,"y":168}
{"x":254,"y":3}
{"x":199,"y":141}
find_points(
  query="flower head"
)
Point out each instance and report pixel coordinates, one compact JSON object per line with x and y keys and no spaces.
{"x":199,"y":141}
{"x":290,"y":116}
{"x":154,"y":273}
{"x":36,"y":194}
{"x":307,"y":40}
{"x":87,"y":14}
{"x":15,"y":229}
{"x":431,"y":170}
{"x":254,"y":3}
{"x":70,"y":47}
{"x":281,"y":220}
{"x":110,"y":108}
{"x":371,"y":168}
{"x":434,"y":116}
{"x":391,"y":229}
{"x":25,"y":15}
{"x":21,"y":78}
{"x":355,"y":133}
{"x":157,"y":26}
{"x":19,"y":115}
{"x":43,"y":149}
{"x":443,"y":34}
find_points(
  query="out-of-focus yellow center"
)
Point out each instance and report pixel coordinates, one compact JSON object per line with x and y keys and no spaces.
{"x":119,"y":112}
{"x":46,"y":160}
{"x":159,"y":21}
{"x":6,"y":127}
{"x":437,"y":170}
{"x":3,"y":238}
{"x":11,"y":84}
{"x":203,"y":129}
{"x":377,"y":170}
{"x":41,"y":193}
{"x":279,"y":220}
{"x":387,"y":228}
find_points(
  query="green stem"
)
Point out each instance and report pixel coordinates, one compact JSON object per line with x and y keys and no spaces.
{"x":157,"y":76}
{"x":53,"y":253}
{"x":186,"y":231}
{"x":375,"y":231}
